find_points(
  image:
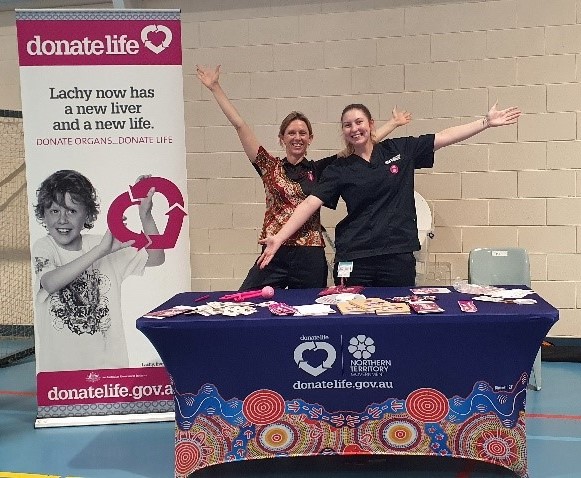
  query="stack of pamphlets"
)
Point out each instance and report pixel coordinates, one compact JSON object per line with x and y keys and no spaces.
{"x":372,"y":306}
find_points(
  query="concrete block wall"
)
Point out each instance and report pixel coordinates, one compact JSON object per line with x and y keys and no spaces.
{"x":445,"y":61}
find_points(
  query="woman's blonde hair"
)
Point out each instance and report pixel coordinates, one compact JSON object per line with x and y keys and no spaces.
{"x":349,"y":149}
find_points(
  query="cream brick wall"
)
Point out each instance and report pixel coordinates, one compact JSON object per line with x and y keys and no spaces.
{"x":445,"y":61}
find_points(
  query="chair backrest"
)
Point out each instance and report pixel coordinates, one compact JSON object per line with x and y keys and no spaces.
{"x":424,"y":217}
{"x":499,"y":266}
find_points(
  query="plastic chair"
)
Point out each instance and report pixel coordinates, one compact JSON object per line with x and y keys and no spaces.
{"x":425,"y":233}
{"x":504,"y":266}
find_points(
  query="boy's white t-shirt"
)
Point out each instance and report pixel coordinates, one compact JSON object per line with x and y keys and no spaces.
{"x":80,"y":326}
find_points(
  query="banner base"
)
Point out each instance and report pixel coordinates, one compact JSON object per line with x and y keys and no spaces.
{"x":104,"y":420}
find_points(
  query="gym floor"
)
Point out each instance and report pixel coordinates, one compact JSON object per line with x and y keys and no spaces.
{"x":146,"y":449}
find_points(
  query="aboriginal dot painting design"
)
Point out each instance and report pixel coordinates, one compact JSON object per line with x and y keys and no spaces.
{"x":393,"y":435}
{"x":204,"y":444}
{"x":486,"y":425}
{"x":482,"y":437}
{"x":263,"y":406}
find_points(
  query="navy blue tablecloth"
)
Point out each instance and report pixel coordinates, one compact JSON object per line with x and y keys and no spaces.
{"x":447,"y":368}
{"x":449,"y":351}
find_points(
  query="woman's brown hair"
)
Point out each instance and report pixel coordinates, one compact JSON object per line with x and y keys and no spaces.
{"x":349,"y":149}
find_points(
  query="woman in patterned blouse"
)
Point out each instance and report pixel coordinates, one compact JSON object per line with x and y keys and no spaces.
{"x":300,"y":262}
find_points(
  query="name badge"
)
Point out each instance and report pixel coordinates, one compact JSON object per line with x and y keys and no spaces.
{"x":344,"y":269}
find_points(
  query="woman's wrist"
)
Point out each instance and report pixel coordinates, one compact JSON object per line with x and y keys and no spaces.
{"x":485,"y":122}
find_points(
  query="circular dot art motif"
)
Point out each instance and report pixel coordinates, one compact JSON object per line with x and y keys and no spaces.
{"x":187,"y":457}
{"x":293,"y":437}
{"x":199,"y":447}
{"x":400,"y":435}
{"x":482,"y":437}
{"x":278,"y":437}
{"x":427,"y":405}
{"x":263,"y":407}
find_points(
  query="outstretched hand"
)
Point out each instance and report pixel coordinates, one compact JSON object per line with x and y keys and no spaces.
{"x":497,"y":117}
{"x":400,"y":117}
{"x":272,"y":245}
{"x":208,"y":76}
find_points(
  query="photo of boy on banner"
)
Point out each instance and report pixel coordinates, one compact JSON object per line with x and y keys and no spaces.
{"x":78,"y":276}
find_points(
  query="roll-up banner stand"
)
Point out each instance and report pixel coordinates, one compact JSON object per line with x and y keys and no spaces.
{"x":102,"y":103}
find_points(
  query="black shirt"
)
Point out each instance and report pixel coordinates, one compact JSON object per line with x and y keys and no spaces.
{"x":379,"y":195}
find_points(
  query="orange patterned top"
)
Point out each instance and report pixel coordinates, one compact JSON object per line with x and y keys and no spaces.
{"x":283,"y":195}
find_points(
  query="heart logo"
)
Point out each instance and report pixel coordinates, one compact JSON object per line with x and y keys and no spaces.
{"x":156,"y":37}
{"x":315,"y":346}
{"x":133,"y":197}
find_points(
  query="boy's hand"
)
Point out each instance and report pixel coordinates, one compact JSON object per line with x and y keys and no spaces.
{"x":155,"y":257}
{"x":146,"y":203}
{"x":109,"y":244}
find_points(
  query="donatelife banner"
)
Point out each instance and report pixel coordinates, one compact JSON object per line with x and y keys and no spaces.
{"x":104,"y":136}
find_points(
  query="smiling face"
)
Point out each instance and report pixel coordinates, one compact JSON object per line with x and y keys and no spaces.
{"x":65,"y":222}
{"x":296,"y":140}
{"x":356,"y":127}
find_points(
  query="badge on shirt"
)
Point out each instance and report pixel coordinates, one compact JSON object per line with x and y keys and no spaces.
{"x":397,"y":157}
{"x":394,"y":168}
{"x":344,"y":269}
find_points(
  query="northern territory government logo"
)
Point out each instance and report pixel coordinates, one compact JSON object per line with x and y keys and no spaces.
{"x":362,"y":348}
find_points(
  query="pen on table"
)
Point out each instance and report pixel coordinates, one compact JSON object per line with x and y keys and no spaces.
{"x":202,"y":298}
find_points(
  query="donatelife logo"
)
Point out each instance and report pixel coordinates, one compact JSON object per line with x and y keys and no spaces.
{"x":156,"y":38}
{"x":156,"y":30}
{"x":315,"y":346}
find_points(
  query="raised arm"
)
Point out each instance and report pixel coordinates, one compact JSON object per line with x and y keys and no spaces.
{"x":155,"y":257}
{"x":493,"y":118}
{"x":301,"y":214}
{"x":398,"y":118}
{"x":210,"y":79}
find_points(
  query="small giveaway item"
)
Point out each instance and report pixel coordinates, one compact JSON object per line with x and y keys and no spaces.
{"x":171,"y":312}
{"x":425,"y":307}
{"x":314,"y":309}
{"x":393,"y":308}
{"x":342,"y":289}
{"x":430,"y":290}
{"x":333,"y":299}
{"x":467,"y":306}
{"x":280,"y":308}
{"x":266,"y":293}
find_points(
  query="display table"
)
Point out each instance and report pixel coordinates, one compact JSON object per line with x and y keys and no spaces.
{"x":263,"y":386}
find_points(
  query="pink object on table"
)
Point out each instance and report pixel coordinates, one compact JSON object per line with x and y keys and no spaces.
{"x":266,"y":292}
